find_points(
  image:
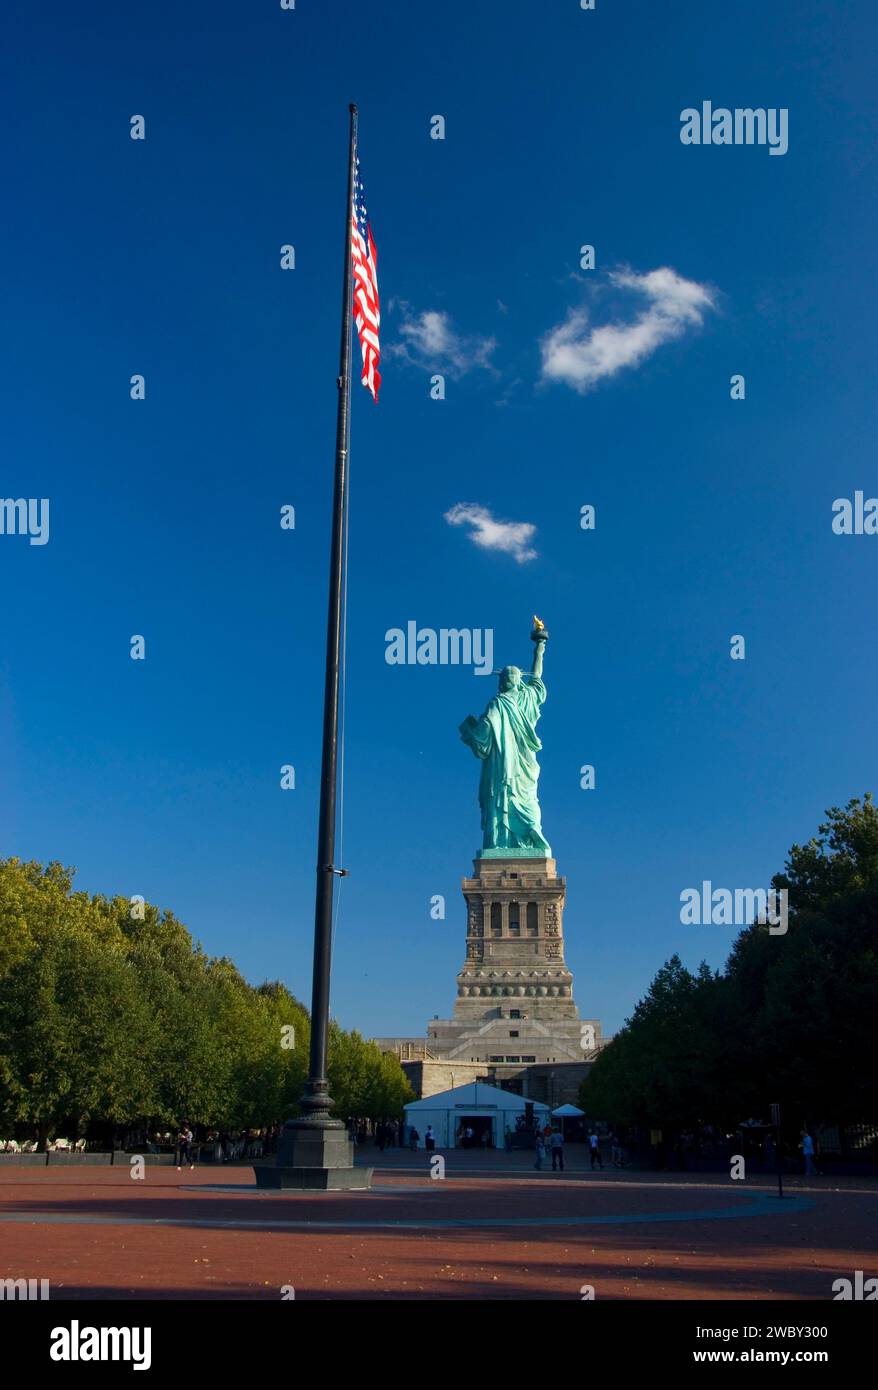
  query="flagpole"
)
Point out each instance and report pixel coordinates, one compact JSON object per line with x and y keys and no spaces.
{"x":315,"y":1150}
{"x":316,"y":1103}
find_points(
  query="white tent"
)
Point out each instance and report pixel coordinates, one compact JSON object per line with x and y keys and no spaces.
{"x":477,"y":1101}
{"x":568,"y":1116}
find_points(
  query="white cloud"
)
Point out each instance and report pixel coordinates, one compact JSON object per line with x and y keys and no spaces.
{"x":488,"y":533}
{"x":580,"y":355}
{"x":428,"y":340}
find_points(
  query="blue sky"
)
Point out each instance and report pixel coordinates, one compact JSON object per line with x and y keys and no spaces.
{"x":161,"y":777}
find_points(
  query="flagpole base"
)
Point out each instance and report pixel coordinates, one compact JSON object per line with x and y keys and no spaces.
{"x":314,"y":1179}
{"x":314,"y":1157}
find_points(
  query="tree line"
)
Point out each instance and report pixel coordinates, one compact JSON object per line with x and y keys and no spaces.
{"x":791,"y":1018}
{"x":112,"y":1018}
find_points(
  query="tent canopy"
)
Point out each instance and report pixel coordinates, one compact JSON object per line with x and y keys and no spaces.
{"x":568,"y":1111}
{"x":475,"y":1096}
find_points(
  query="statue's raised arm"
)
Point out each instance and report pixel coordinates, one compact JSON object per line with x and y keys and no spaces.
{"x":539,"y":637}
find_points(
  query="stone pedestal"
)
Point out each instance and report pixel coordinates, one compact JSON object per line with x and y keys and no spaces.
{"x":515,"y":940}
{"x":314,"y":1160}
{"x":514,"y":993}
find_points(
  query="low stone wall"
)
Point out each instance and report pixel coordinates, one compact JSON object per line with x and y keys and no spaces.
{"x":72,"y":1160}
{"x":60,"y":1158}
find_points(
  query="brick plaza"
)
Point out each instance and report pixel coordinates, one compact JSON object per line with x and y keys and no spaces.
{"x":492,"y":1228}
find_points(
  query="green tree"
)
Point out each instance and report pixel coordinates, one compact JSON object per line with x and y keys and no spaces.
{"x":791,"y":1017}
{"x":111,"y":1016}
{"x":120,"y":1018}
{"x":807,"y":1000}
{"x":364,"y":1082}
{"x":72,"y":1018}
{"x":660,"y":1069}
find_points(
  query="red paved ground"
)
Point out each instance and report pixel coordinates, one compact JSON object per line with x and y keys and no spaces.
{"x":794,"y":1254}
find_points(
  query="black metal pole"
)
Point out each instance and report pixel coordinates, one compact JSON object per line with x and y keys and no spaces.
{"x":316,"y":1102}
{"x":775,"y":1120}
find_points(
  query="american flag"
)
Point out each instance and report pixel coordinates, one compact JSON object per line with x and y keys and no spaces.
{"x":367,"y":311}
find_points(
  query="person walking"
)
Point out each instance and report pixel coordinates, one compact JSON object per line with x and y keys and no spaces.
{"x":541,"y":1151}
{"x":616,"y":1149}
{"x":429,"y":1139}
{"x":414,"y":1138}
{"x":184,"y":1142}
{"x":556,"y":1147}
{"x":807,"y":1147}
{"x":594,"y":1151}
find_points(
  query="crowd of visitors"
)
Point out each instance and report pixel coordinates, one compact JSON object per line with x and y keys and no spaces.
{"x":549,"y":1140}
{"x":468,"y":1139}
{"x":388,"y":1134}
{"x":699,"y":1148}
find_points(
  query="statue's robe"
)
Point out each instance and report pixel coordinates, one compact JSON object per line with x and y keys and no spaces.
{"x":505,"y":739}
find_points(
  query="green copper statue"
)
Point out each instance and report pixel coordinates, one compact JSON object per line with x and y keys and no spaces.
{"x":505,"y":738}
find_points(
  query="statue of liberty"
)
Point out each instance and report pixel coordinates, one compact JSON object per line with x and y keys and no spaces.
{"x":505,"y":739}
